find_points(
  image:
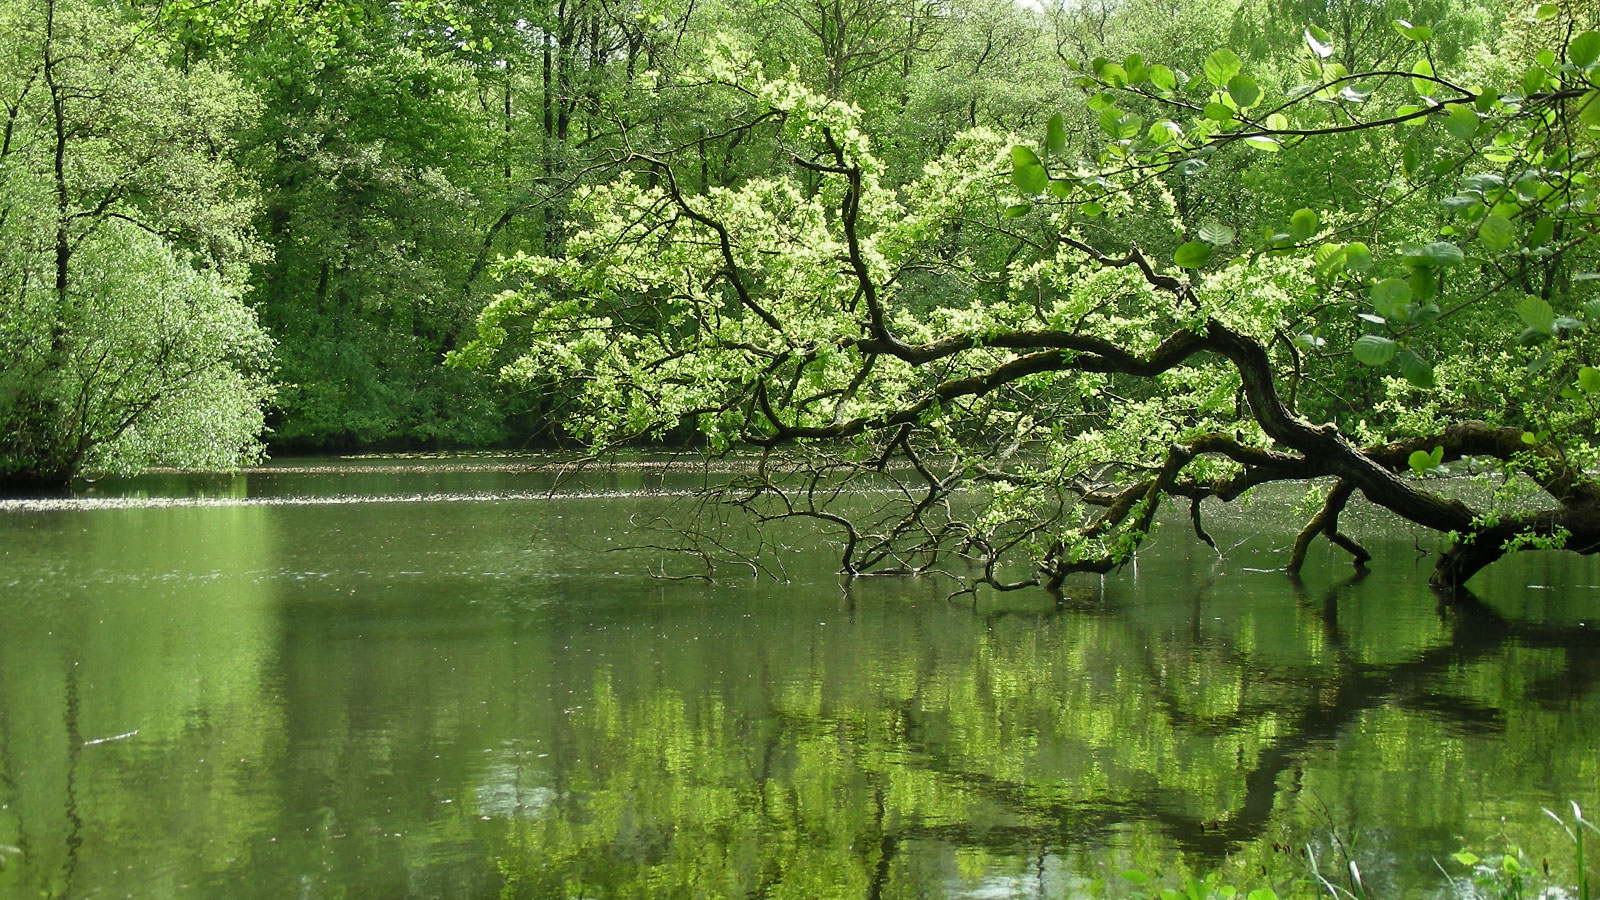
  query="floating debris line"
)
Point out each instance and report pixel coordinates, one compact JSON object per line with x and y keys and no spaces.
{"x":78,"y":504}
{"x":82,"y":504}
{"x":566,"y":468}
{"x":115,"y":737}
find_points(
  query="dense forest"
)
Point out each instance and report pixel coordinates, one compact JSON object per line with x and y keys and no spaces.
{"x":1037,"y":268}
{"x":312,"y":198}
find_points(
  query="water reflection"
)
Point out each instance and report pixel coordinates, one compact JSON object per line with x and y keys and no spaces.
{"x":466,"y":700}
{"x":112,"y":659}
{"x":1012,"y":751}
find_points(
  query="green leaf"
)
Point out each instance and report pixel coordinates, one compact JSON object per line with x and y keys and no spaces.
{"x":1410,"y":159}
{"x":1534,"y":80}
{"x":1416,"y":370}
{"x":1537,"y":314}
{"x":1162,"y":77}
{"x":1374,"y":350}
{"x":1355,"y":93}
{"x":1163,"y":132}
{"x":1218,"y":112}
{"x":1277,"y":122}
{"x":1357,"y":258}
{"x":1244,"y":91}
{"x":1029,"y":178}
{"x":1061,"y":188}
{"x":1268,"y":144}
{"x":1544,"y":13}
{"x":1422,"y":80}
{"x":1303,"y":224}
{"x":1134,"y":876}
{"x":1589,"y":108}
{"x":1589,"y":380}
{"x":1461,"y":122}
{"x":1329,"y":259}
{"x":1319,"y":41}
{"x":1018,"y":209}
{"x":1222,"y":65}
{"x":1092,"y":209}
{"x":1543,"y":231}
{"x":1406,"y":111}
{"x":1192,"y":255}
{"x":1417,"y":33}
{"x":1424,"y":282}
{"x":1111,"y":121}
{"x":1420,"y":461}
{"x":1216,"y":234}
{"x":1055,"y":135}
{"x":1496,"y":232}
{"x":1441,"y":253}
{"x":1530,"y":188}
{"x":1584,"y":49}
{"x":1135,"y":67}
{"x":1390,"y":296}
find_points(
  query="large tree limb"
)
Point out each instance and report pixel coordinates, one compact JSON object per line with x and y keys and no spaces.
{"x":1565,"y":483}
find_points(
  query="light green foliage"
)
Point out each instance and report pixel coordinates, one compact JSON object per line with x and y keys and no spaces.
{"x":1355,"y":279}
{"x":123,"y":241}
{"x":1408,"y":303}
{"x":648,"y":320}
{"x":165,"y":365}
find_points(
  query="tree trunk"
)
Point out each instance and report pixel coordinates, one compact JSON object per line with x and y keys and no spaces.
{"x":1463,"y":561}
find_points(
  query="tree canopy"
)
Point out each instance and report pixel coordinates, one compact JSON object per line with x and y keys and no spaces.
{"x":987,"y":284}
{"x":124,"y":238}
{"x":1198,"y":283}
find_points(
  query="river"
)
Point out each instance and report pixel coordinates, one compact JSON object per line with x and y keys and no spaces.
{"x":413,"y":677}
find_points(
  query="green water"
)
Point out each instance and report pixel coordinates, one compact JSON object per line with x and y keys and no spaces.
{"x":406,"y":678}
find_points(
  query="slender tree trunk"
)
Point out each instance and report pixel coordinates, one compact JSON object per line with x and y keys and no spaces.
{"x":63,"y":244}
{"x":506,"y":126}
{"x":547,"y":137}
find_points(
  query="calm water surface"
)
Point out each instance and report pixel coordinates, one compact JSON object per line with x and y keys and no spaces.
{"x":393,"y":678}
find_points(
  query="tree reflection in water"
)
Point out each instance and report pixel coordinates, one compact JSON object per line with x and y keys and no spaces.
{"x":1057,"y":743}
